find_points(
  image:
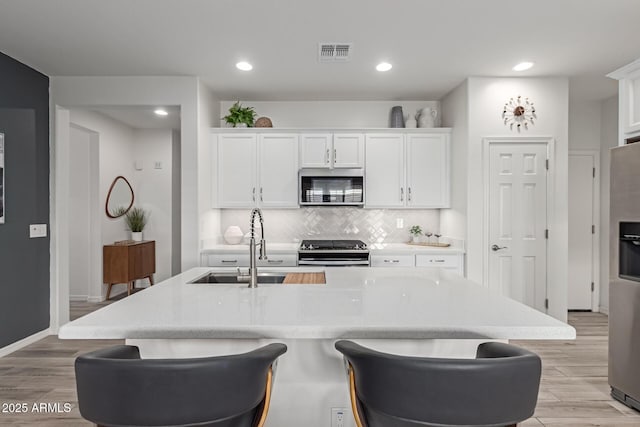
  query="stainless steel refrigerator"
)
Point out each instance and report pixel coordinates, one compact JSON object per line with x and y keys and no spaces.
{"x":624,"y":284}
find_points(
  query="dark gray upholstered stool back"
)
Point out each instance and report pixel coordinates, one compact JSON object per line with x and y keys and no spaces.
{"x":117,"y":388}
{"x":498,"y":388}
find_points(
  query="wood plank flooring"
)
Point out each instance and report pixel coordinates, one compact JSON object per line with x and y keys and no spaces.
{"x":574,"y":389}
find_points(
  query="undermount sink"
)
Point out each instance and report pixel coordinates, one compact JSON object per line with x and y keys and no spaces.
{"x":225,"y":278}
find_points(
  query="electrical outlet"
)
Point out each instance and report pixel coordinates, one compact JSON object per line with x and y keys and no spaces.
{"x":157,"y":165}
{"x":338,"y":417}
{"x":37,"y":230}
{"x":399,"y":222}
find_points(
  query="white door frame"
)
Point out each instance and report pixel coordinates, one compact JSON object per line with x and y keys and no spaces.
{"x":514,"y":140}
{"x":595,"y":209}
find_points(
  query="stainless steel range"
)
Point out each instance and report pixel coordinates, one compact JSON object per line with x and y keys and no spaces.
{"x":333,"y":253}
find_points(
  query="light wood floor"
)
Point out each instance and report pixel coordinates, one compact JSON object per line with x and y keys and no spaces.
{"x":574,"y":389}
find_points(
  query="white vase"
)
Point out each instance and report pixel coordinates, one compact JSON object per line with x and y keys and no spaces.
{"x":410,"y":122}
{"x":233,"y":235}
{"x":427,"y":117}
{"x":136,"y":236}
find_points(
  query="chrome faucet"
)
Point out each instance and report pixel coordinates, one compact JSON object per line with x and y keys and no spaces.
{"x":252,"y":277}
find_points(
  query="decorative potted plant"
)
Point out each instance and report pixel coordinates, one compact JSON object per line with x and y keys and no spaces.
{"x":416,"y":232}
{"x":136,"y":219}
{"x":239,"y":115}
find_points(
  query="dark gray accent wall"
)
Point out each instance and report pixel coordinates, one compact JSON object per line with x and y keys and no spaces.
{"x":24,"y":262}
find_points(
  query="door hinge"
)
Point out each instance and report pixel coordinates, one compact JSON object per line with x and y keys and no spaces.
{"x":593,"y":229}
{"x":546,"y":164}
{"x":593,"y":287}
{"x":594,"y":172}
{"x":546,"y":233}
{"x":546,"y":303}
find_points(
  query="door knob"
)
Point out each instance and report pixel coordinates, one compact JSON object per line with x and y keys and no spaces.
{"x":497,"y":248}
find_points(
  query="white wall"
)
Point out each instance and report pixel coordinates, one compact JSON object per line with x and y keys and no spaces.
{"x":487,"y":97}
{"x":584,"y":125}
{"x":153,"y":189}
{"x":609,"y":139}
{"x":455,"y":114}
{"x":329,"y":114}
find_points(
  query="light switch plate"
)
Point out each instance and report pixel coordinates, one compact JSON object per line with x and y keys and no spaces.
{"x":37,"y":230}
{"x":399,"y":222}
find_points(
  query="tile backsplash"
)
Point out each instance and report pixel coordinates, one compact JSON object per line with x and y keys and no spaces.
{"x":368,"y":225}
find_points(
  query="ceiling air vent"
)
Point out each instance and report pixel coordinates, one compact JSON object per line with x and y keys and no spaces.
{"x":335,"y":52}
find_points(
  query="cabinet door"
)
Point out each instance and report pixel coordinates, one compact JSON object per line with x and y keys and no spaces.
{"x":278,"y":170}
{"x":384,"y":180}
{"x":348,"y":150}
{"x":315,"y":150}
{"x":237,"y":170}
{"x":427,"y":171}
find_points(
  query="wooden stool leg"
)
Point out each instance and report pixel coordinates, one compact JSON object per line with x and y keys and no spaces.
{"x":109,"y":291}
{"x":130,"y":288}
{"x":150,"y":277}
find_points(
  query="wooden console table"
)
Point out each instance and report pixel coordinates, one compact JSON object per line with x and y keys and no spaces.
{"x":128,"y":262}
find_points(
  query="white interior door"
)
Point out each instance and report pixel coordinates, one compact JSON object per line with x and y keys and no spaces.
{"x":518,"y":221}
{"x":581,"y":221}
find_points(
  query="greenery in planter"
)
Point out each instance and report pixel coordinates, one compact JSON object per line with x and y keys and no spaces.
{"x":239,"y":114}
{"x":415,"y":231}
{"x":136,"y":219}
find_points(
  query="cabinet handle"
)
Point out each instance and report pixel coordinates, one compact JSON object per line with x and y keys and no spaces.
{"x":402,"y":194}
{"x":275,"y":261}
{"x":392,"y":260}
{"x":261,"y":194}
{"x":436,"y":260}
{"x":230,"y":261}
{"x":409,"y":194}
{"x":327,"y":155}
{"x":335,"y":156}
{"x":253,"y":194}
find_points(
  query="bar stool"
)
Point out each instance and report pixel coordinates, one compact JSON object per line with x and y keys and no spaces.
{"x":497,"y":388}
{"x":117,"y":388}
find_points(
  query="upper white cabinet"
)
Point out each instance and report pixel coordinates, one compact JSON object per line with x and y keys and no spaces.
{"x":257,"y":170}
{"x":629,"y":99}
{"x":407,"y":170}
{"x":332,"y":150}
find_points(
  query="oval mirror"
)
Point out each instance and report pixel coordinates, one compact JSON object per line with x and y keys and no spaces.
{"x":119,"y":198}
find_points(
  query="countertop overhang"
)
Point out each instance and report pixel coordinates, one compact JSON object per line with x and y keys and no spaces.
{"x":365,"y":303}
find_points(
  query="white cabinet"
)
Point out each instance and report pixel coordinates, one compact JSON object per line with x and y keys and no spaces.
{"x":236,"y":170}
{"x":384,"y":168}
{"x":392,"y":260}
{"x":278,"y":170}
{"x":257,"y":170}
{"x":629,"y":100}
{"x":235,"y":259}
{"x":453,"y":262}
{"x":407,"y":170}
{"x":327,"y":150}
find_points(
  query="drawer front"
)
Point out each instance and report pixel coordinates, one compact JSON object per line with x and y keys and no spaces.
{"x":392,"y":261}
{"x":230,"y":260}
{"x":437,"y":261}
{"x":278,"y":260}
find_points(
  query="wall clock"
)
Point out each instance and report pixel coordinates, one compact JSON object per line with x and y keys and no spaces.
{"x":519,"y":113}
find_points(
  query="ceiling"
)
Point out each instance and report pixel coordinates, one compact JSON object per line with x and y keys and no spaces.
{"x":432,"y":44}
{"x":142,"y":117}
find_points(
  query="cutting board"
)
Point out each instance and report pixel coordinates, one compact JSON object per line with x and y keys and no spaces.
{"x":305,"y":278}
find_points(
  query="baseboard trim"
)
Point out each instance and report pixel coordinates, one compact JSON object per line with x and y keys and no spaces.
{"x":24,"y":342}
{"x":78,"y":297}
{"x":604,"y":310}
{"x":95,"y":299}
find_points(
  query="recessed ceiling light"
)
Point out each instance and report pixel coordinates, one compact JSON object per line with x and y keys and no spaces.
{"x":244,"y":66}
{"x":161,"y":112}
{"x":523,"y":66}
{"x":384,"y":66}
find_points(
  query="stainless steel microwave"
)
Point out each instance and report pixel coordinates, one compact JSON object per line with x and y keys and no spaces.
{"x":331,"y":187}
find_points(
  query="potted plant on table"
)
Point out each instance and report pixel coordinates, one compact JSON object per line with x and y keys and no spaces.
{"x":239,"y":115}
{"x":416,"y":232}
{"x":136,"y":219}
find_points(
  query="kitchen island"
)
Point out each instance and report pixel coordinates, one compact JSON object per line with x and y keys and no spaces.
{"x":413,"y":311}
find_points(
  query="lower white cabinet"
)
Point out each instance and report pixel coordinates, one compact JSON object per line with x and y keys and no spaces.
{"x":448,"y":261}
{"x":234,"y":259}
{"x":392,"y":260}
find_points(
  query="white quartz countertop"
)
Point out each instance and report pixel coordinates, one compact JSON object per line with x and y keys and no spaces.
{"x":271,"y":248}
{"x":367,"y":302}
{"x":374,"y":248}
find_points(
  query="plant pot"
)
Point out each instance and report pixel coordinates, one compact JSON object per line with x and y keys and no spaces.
{"x":136,"y":236}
